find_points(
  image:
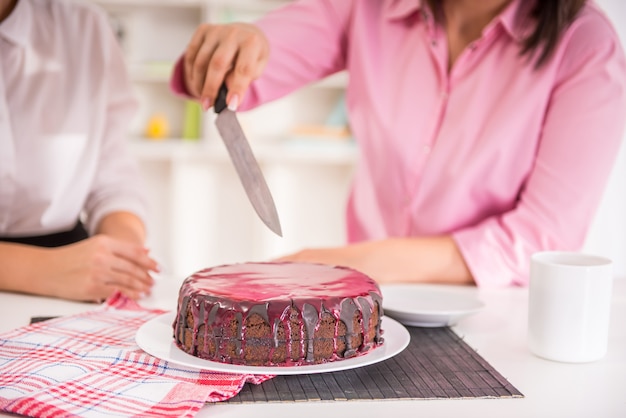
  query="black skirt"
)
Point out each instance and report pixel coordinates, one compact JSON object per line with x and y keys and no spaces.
{"x":58,"y":239}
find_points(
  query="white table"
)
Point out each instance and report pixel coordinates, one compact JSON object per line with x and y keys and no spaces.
{"x":498,"y":333}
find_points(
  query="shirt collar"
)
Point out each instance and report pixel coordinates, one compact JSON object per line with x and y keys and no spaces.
{"x":514,"y":18}
{"x":16,"y":26}
{"x":400,"y":9}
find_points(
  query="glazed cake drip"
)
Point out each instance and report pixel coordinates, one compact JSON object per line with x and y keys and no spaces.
{"x":301,"y":304}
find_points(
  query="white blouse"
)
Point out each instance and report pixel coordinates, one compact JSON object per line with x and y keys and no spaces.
{"x":65,"y":107}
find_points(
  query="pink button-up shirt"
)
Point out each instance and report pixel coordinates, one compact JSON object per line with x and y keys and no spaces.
{"x":506,"y":158}
{"x":65,"y":107}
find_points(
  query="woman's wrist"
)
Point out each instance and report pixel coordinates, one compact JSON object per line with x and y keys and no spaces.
{"x":125,"y":226}
{"x":422,"y":260}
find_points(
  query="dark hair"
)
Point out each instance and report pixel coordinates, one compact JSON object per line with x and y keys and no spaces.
{"x":552,"y":18}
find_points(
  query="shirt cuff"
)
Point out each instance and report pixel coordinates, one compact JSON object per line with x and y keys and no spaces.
{"x":177,"y":81}
{"x":493,"y":264}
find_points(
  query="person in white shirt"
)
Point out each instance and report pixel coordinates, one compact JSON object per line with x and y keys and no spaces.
{"x":65,"y":107}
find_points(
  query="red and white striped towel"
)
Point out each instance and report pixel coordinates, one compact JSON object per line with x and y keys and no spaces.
{"x":89,"y":365}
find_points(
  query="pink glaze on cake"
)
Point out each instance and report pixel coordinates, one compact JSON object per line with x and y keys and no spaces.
{"x":219,"y":294}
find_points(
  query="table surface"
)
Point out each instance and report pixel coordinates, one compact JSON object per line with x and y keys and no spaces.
{"x":497,"y":332}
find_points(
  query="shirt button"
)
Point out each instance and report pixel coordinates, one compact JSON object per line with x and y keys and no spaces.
{"x":426,"y":149}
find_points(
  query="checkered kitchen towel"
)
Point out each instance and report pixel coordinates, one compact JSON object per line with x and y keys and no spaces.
{"x":89,"y":365}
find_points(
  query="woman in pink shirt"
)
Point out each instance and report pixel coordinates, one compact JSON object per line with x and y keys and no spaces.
{"x":487,"y":129}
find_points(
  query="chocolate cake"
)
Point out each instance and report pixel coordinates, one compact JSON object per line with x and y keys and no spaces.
{"x":278,"y":314}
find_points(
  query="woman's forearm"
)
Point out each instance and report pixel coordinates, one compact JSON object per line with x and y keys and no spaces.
{"x":424,"y":260}
{"x":123,"y":225}
{"x":21,"y":268}
{"x":397,"y":260}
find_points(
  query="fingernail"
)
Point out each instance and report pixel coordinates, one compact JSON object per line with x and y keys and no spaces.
{"x":234,"y":103}
{"x":206,"y":104}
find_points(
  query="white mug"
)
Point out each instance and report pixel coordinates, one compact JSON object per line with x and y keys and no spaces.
{"x":569,"y":306}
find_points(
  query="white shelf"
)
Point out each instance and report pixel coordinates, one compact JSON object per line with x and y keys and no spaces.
{"x":340,"y":152}
{"x":248,"y":5}
{"x":151,"y":3}
{"x":335,"y":81}
{"x":156,"y":72}
{"x":160,"y":72}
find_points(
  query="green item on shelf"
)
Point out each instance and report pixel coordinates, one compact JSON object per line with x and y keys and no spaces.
{"x":191,"y":124}
{"x":338,"y":116}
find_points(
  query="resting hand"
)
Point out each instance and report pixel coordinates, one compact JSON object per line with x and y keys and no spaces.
{"x":93,"y":269}
{"x":235,"y":52}
{"x":395,"y":260}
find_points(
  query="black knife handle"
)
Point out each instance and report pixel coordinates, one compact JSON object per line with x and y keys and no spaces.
{"x":220,"y":102}
{"x":35,"y":319}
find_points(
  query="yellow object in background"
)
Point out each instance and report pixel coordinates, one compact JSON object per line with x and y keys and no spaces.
{"x":158,"y":126}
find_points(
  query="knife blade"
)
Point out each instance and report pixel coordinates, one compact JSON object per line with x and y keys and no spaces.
{"x":245,"y":163}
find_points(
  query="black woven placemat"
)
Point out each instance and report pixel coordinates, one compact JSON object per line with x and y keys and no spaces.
{"x":436,"y":364}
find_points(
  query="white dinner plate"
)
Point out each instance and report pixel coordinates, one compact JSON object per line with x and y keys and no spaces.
{"x":155,"y":338}
{"x":429,"y":305}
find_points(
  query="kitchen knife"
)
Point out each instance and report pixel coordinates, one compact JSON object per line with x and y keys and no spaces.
{"x":246,"y":165}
